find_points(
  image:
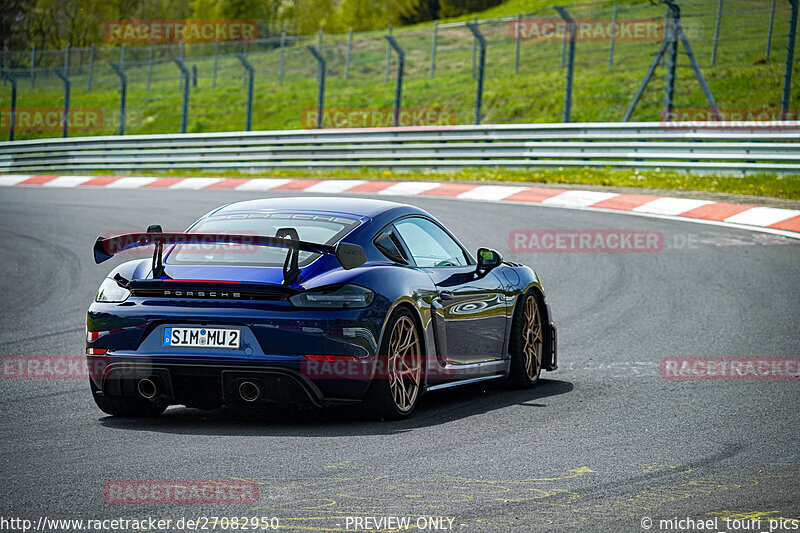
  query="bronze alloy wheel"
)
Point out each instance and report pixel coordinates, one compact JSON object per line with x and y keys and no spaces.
{"x":532,"y":341}
{"x":404,"y":364}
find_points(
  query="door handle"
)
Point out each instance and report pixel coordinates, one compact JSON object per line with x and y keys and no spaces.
{"x":446,"y":295}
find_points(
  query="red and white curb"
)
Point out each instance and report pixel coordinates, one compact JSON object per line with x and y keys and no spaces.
{"x":768,"y":219}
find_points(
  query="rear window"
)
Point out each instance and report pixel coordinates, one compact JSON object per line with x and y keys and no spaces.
{"x":320,"y":229}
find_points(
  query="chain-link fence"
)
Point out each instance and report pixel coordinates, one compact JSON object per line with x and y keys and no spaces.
{"x":741,"y":48}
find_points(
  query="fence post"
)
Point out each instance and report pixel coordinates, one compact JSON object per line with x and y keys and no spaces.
{"x":613,"y":36}
{"x":91,"y":68}
{"x":716,"y":34}
{"x":247,"y":66}
{"x":769,"y":32}
{"x":672,"y":60}
{"x":33,"y":67}
{"x":65,"y":118}
{"x":13,"y":110}
{"x":185,"y":106}
{"x":244,"y":53}
{"x":474,"y":48}
{"x":564,"y":46}
{"x":517,"y":43}
{"x":388,"y":53}
{"x":216,"y":62}
{"x":433,"y":48}
{"x":5,"y":63}
{"x":348,"y":53}
{"x":123,"y":91}
{"x":194,"y":75}
{"x":319,"y":49}
{"x":398,"y":91}
{"x":787,"y":76}
{"x":473,"y":27}
{"x":321,"y":84}
{"x":66,"y":60}
{"x":282,"y":59}
{"x":571,"y":63}
{"x":122,"y":56}
{"x":149,"y":66}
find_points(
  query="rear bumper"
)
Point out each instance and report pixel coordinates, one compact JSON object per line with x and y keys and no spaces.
{"x":276,"y":342}
{"x":209,"y":384}
{"x":269,"y":329}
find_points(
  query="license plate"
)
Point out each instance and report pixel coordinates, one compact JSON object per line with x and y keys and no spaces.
{"x":202,"y":337}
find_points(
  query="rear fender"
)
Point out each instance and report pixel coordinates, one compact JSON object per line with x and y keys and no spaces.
{"x":135,"y":269}
{"x":397,"y":286}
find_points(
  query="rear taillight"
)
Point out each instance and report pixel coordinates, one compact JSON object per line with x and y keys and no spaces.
{"x":336,"y":297}
{"x":111,"y":291}
{"x":96,"y":351}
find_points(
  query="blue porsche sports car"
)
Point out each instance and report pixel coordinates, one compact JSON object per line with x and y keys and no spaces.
{"x":324,"y":300}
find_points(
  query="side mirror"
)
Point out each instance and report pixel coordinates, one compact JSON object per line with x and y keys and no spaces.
{"x":488,"y":259}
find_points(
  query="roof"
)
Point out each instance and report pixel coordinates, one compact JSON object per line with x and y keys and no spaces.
{"x":324,"y":204}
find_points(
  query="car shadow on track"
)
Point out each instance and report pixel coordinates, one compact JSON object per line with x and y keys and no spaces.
{"x":434,"y":409}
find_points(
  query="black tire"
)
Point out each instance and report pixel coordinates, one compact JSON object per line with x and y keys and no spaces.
{"x":523,"y":375}
{"x":379,"y":401}
{"x":127,"y":407}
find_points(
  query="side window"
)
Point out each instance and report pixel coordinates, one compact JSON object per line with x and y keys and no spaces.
{"x":387,"y":244}
{"x":429,"y":245}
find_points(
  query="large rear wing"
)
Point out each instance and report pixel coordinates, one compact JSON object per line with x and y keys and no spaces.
{"x":349,"y":255}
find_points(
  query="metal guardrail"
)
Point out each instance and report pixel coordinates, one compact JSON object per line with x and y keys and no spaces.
{"x":722,"y":147}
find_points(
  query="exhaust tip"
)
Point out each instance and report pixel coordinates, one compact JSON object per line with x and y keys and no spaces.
{"x":249,"y":391}
{"x":147,"y":388}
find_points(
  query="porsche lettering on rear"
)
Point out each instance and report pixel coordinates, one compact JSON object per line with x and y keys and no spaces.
{"x":202,"y":294}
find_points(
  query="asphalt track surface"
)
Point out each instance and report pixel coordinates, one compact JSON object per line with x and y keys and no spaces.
{"x":598,"y":445}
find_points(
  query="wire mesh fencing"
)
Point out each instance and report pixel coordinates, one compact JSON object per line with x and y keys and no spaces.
{"x":535,"y":70}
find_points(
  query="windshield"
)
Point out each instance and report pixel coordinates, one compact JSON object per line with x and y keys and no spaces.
{"x":320,"y":229}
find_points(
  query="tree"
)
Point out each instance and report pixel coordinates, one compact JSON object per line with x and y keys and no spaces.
{"x":454,"y":8}
{"x":362,"y":15}
{"x":14,"y":15}
{"x":312,"y":15}
{"x":267,"y":12}
{"x":376,"y":14}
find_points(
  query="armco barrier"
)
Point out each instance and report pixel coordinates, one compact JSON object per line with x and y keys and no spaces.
{"x":711,"y":147}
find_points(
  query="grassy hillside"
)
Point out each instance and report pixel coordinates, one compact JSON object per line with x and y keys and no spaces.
{"x":742,"y":78}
